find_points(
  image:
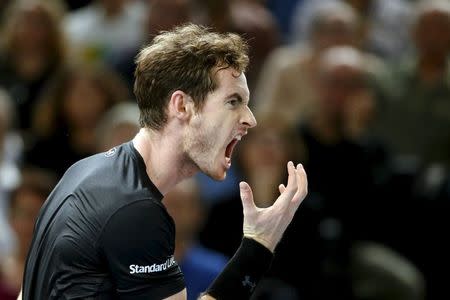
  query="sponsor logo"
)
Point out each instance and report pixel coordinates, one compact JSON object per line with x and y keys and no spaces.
{"x":110,"y":152}
{"x":137,"y":269}
{"x":247,"y":282}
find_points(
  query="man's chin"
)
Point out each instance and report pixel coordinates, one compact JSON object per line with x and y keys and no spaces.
{"x":218,"y":175}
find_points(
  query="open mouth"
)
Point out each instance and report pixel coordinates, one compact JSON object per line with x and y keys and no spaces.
{"x":230,"y":148}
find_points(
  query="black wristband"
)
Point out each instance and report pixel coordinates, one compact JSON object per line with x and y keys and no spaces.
{"x":242,"y":273}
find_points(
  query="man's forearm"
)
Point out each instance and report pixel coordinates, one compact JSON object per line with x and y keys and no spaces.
{"x":242,"y":273}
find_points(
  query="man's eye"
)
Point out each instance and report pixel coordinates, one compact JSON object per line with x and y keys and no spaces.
{"x":233,"y":102}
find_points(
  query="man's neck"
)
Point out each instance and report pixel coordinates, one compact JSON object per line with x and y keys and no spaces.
{"x":164,"y":159}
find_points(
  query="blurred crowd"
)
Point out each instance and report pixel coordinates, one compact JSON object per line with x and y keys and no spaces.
{"x":356,"y":90}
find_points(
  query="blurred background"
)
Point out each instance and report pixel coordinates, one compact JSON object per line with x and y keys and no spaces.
{"x":356,"y":90}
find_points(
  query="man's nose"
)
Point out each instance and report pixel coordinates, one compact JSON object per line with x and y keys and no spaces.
{"x":248,"y":118}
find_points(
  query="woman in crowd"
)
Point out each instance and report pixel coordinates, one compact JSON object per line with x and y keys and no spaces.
{"x":32,"y":52}
{"x":67,"y":115}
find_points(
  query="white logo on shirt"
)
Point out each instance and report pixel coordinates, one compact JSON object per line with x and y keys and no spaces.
{"x":134,"y":269}
{"x":110,"y":152}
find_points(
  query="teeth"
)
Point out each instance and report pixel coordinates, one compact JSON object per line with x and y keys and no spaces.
{"x":239,"y":137}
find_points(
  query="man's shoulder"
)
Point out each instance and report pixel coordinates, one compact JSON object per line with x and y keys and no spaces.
{"x":108,"y":180}
{"x":100,"y":167}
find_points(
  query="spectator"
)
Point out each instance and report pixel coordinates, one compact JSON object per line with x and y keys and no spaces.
{"x":119,"y":125}
{"x":68,"y":113}
{"x":200,"y":265}
{"x":104,"y":26}
{"x":340,"y":181}
{"x":414,"y":123}
{"x":346,"y":203}
{"x":328,"y":137}
{"x":384,"y":24}
{"x":25,"y":203}
{"x":420,"y":91}
{"x":286,"y":82}
{"x":33,"y":51}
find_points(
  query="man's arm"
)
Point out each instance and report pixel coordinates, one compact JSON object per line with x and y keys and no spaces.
{"x":141,"y":260}
{"x":263,"y":229}
{"x":178,"y":296}
{"x":266,"y":226}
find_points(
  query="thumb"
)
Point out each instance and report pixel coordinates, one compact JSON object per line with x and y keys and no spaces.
{"x":246,"y":196}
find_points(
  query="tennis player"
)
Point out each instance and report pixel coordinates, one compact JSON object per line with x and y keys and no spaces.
{"x":104,"y":232}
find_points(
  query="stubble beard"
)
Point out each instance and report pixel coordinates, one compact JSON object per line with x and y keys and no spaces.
{"x":198,"y":148}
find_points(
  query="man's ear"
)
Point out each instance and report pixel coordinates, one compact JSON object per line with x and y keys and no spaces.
{"x":181,"y":106}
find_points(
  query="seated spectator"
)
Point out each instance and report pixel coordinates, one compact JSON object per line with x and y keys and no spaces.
{"x":200,"y":265}
{"x":415,"y":119}
{"x":104,"y":26}
{"x":119,"y":125}
{"x":286,"y":82}
{"x":11,"y":148}
{"x":33,"y":51}
{"x":68,"y":113}
{"x":329,"y":149}
{"x":25,"y":202}
{"x":384,"y":24}
{"x":340,"y":182}
{"x":414,"y":123}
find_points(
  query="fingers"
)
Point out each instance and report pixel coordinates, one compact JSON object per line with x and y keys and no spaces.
{"x":302,"y":187}
{"x":291,"y":188}
{"x":281,"y":188}
{"x":296,"y":194}
{"x":302,"y":181}
{"x":247,"y":197}
{"x":292,"y":179}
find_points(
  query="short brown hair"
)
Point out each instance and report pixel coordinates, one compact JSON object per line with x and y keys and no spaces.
{"x":185,"y":59}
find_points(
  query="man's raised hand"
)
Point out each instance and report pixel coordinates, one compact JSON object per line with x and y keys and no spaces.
{"x":267,"y":225}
